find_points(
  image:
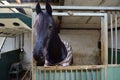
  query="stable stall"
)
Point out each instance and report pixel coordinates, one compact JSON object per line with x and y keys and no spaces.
{"x":15,"y":36}
{"x":107,"y":43}
{"x":100,"y":35}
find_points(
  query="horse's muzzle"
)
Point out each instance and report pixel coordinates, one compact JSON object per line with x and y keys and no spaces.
{"x":39,"y":57}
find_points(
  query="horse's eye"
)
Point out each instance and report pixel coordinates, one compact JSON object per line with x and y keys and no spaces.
{"x":50,"y":27}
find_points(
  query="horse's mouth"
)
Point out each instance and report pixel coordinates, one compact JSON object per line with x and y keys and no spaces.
{"x":42,"y":58}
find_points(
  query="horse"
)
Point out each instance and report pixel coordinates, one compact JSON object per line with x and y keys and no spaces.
{"x":49,"y":49}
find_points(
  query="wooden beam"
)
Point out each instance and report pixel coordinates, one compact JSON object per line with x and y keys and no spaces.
{"x":52,"y":68}
{"x":7,"y":3}
{"x":91,"y":16}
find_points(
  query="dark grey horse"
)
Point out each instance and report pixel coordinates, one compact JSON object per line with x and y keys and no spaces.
{"x":48,"y":47}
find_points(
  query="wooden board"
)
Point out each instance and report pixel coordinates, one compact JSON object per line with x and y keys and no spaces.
{"x":11,"y":30}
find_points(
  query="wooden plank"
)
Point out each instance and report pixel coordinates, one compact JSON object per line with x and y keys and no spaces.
{"x":70,"y":67}
{"x":11,"y":30}
{"x":7,"y":3}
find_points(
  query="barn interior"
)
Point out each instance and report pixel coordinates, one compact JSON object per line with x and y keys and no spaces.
{"x":82,"y":33}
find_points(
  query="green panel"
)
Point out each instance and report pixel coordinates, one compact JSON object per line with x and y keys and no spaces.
{"x":102,"y":74}
{"x":109,"y":57}
{"x":114,"y":73}
{"x":68,"y":75}
{"x":6,"y":60}
{"x":27,"y":20}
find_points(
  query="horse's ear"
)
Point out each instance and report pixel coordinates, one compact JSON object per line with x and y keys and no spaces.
{"x":48,"y":8}
{"x":38,"y":8}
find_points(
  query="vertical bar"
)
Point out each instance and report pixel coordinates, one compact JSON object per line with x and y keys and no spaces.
{"x":66,"y":74}
{"x":102,"y":55}
{"x":76,"y":74}
{"x":50,"y":74}
{"x":44,"y":74}
{"x":111,"y":26}
{"x":96,"y":74}
{"x":15,"y":42}
{"x":86,"y":73}
{"x":115,"y":38}
{"x":33,"y":61}
{"x":101,"y":74}
{"x":105,"y":44}
{"x":40,"y":76}
{"x":71,"y":75}
{"x":60,"y":74}
{"x":55,"y":75}
{"x":81,"y":74}
{"x":20,"y":41}
{"x":1,"y":46}
{"x":37,"y":75}
{"x":104,"y":39}
{"x":92,"y":74}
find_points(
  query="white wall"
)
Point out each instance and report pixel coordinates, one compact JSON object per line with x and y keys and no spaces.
{"x":8,"y":45}
{"x":27,"y":58}
{"x":84,"y":44}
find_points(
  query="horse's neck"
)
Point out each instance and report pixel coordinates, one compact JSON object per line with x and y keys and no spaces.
{"x":56,"y":49}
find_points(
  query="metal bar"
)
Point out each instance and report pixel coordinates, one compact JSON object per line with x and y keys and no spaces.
{"x":1,"y":46}
{"x":105,"y":45}
{"x":3,"y":42}
{"x":76,"y":74}
{"x":111,"y":26}
{"x":104,"y":39}
{"x":40,"y":76}
{"x":115,"y":38}
{"x":92,"y":74}
{"x":50,"y":74}
{"x":71,"y":75}
{"x":81,"y":74}
{"x":66,"y":75}
{"x":77,"y":14}
{"x":15,"y":6}
{"x":87,"y":74}
{"x":93,"y":8}
{"x":100,"y":74}
{"x":44,"y":74}
{"x":84,"y":8}
{"x":97,"y":74}
{"x":7,"y":3}
{"x":60,"y":74}
{"x":55,"y":75}
{"x":102,"y":55}
{"x":33,"y":61}
{"x":37,"y":73}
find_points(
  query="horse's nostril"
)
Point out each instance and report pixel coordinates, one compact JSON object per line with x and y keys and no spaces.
{"x":41,"y":57}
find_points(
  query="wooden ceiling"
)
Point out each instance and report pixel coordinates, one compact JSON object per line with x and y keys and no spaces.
{"x":81,"y":22}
